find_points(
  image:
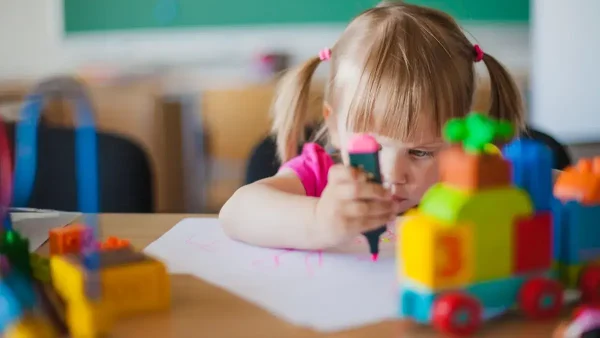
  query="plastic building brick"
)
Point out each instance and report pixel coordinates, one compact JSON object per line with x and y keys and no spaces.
{"x":31,"y":326}
{"x":16,"y":250}
{"x":89,"y":318}
{"x":437,"y":257}
{"x":67,"y":240}
{"x":10,"y":307}
{"x":580,"y":183}
{"x":533,"y":243}
{"x":482,"y":238}
{"x":585,"y":324}
{"x":473,"y":171}
{"x":492,"y":225}
{"x":114,"y":243}
{"x":40,"y":267}
{"x":130,"y":281}
{"x":531,"y":170}
{"x":476,"y":131}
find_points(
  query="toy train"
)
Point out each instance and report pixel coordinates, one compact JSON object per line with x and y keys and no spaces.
{"x":495,"y":232}
{"x":46,"y":298}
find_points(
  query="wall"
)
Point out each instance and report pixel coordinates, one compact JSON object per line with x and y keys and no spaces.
{"x":565,"y":84}
{"x":32,"y":44}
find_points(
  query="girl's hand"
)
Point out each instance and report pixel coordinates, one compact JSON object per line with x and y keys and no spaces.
{"x":350,"y":205}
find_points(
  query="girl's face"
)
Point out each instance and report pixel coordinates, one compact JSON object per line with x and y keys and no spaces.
{"x":410,"y":169}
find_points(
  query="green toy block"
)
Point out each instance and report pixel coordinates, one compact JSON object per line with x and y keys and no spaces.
{"x":476,"y":131}
{"x":16,"y":249}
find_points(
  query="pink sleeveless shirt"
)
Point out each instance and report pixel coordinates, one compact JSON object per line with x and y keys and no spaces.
{"x":312,"y":167}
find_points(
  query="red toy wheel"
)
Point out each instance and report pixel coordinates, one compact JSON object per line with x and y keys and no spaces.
{"x":589,"y":284}
{"x":541,"y":298}
{"x":457,"y":314}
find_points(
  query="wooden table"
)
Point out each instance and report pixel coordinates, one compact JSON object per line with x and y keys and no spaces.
{"x":203,"y":310}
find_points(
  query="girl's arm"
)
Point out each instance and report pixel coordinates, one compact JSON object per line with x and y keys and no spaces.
{"x":273,"y":212}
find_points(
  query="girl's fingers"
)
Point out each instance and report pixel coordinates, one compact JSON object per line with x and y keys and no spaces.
{"x":363,"y":191}
{"x":362,"y":224}
{"x":368,"y":208}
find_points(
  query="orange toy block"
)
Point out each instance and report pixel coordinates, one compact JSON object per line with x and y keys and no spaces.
{"x":113,"y":243}
{"x":580,"y":182}
{"x":473,"y":171}
{"x":67,"y":240}
{"x":533,"y":243}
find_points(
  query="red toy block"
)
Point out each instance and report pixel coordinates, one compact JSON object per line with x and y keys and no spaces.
{"x":533,"y":243}
{"x":113,"y":243}
{"x":67,"y":240}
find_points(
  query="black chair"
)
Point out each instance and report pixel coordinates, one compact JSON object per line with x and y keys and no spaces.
{"x":562,"y":158}
{"x":124,"y":173}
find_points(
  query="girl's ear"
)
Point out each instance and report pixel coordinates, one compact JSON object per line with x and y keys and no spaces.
{"x":326,"y":111}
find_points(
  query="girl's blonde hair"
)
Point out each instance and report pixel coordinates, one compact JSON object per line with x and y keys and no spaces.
{"x":394,"y":66}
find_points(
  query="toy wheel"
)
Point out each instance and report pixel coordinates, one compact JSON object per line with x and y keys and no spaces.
{"x":457,"y":314}
{"x":541,"y":298}
{"x":589,"y":284}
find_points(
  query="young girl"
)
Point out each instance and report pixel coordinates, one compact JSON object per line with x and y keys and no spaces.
{"x":398,"y":72}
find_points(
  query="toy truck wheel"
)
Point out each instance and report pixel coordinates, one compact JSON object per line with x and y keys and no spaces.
{"x":541,"y":298}
{"x":589,"y":284}
{"x":457,"y":314}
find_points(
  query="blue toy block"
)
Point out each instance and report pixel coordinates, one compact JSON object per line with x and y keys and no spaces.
{"x":10,"y":307}
{"x":576,"y":232}
{"x":22,"y":289}
{"x":532,"y":164}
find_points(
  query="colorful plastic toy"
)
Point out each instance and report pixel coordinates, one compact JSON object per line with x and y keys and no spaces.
{"x":576,"y":211}
{"x":85,"y":285}
{"x":479,"y":241}
{"x":585,"y":323}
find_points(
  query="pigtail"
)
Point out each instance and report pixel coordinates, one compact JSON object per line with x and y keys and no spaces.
{"x":506,"y":100}
{"x":290,"y":108}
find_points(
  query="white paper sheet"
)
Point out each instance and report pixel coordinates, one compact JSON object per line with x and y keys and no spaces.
{"x":326,"y":291}
{"x":35,"y":224}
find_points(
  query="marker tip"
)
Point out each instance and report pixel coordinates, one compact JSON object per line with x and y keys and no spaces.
{"x":374,"y":257}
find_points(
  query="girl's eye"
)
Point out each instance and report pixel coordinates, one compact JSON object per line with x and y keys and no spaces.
{"x":420,"y":153}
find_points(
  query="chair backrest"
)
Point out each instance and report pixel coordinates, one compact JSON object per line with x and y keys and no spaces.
{"x":123,"y":169}
{"x":562,"y":158}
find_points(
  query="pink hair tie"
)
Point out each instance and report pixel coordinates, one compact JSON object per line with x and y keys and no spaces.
{"x":478,"y":53}
{"x":325,"y":54}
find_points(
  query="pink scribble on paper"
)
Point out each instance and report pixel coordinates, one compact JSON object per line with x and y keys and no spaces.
{"x":274,"y":261}
{"x":208,"y":246}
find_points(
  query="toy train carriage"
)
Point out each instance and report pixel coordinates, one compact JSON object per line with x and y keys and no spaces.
{"x":476,"y":233}
{"x":127,"y":283}
{"x":576,"y":212}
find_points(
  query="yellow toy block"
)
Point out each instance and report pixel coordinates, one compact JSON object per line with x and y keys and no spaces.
{"x":89,"y":319}
{"x":130,"y":282}
{"x":135,"y":288}
{"x":492,"y":213}
{"x":31,"y":327}
{"x":437,"y":257}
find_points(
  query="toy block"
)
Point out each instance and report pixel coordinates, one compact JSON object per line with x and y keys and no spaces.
{"x":31,"y":327}
{"x":492,"y":226}
{"x":533,"y":243}
{"x":476,"y":131}
{"x":434,"y":256}
{"x":468,"y":171}
{"x":531,"y":170}
{"x":40,"y":267}
{"x":450,"y":205}
{"x":10,"y":307}
{"x":114,"y":243}
{"x":16,"y":249}
{"x":580,"y":183}
{"x":88,"y":319}
{"x":22,"y":288}
{"x":130,"y":281}
{"x":67,"y":240}
{"x":576,"y":233}
{"x":416,"y":304}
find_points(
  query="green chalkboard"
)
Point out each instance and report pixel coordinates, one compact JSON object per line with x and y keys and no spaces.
{"x":109,"y":15}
